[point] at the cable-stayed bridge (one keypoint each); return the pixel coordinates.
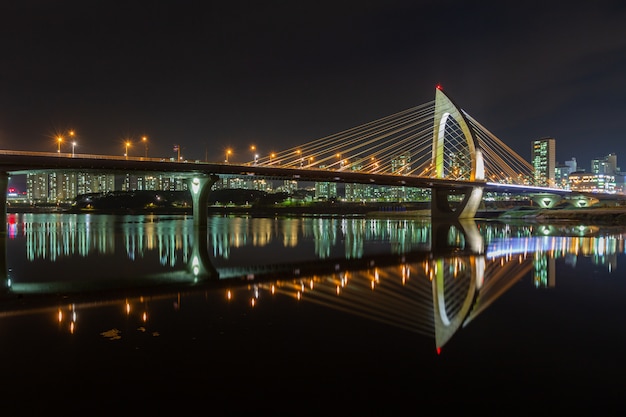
(436, 145)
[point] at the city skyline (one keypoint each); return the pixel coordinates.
(548, 172)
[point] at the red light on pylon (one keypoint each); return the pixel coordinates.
(438, 350)
(439, 87)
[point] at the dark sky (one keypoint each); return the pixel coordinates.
(211, 75)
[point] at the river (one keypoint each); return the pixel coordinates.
(310, 315)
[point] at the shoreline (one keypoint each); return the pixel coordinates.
(603, 215)
(599, 215)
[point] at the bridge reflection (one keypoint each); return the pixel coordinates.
(433, 279)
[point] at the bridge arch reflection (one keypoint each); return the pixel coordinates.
(432, 278)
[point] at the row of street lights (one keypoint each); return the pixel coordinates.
(72, 135)
(255, 155)
(128, 144)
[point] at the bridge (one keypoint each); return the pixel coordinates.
(436, 146)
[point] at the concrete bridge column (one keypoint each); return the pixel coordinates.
(582, 201)
(4, 187)
(200, 189)
(442, 208)
(545, 200)
(4, 273)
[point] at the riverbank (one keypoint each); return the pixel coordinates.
(322, 208)
(598, 215)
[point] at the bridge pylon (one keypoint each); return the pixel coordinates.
(200, 189)
(460, 202)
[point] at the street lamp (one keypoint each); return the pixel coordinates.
(228, 152)
(72, 134)
(253, 148)
(59, 140)
(299, 152)
(145, 142)
(127, 144)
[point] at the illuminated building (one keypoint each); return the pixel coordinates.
(401, 163)
(606, 165)
(56, 186)
(544, 161)
(562, 171)
(325, 190)
(585, 181)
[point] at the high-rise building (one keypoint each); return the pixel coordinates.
(401, 163)
(606, 165)
(325, 190)
(544, 161)
(562, 172)
(58, 186)
(572, 165)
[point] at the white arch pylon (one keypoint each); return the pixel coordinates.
(440, 205)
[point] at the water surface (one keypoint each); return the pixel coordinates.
(310, 315)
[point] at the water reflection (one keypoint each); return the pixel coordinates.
(432, 279)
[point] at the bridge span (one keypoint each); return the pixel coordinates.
(440, 148)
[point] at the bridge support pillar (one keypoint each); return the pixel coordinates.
(545, 200)
(5, 283)
(200, 188)
(582, 201)
(4, 186)
(441, 208)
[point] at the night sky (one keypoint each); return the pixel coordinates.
(231, 74)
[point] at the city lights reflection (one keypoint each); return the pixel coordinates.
(429, 279)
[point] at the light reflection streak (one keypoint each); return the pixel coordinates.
(50, 239)
(510, 253)
(391, 298)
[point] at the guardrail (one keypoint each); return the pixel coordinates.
(95, 156)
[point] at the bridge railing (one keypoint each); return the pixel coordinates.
(93, 156)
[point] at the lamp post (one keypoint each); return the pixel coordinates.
(72, 135)
(299, 152)
(127, 144)
(59, 140)
(253, 149)
(144, 139)
(228, 152)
